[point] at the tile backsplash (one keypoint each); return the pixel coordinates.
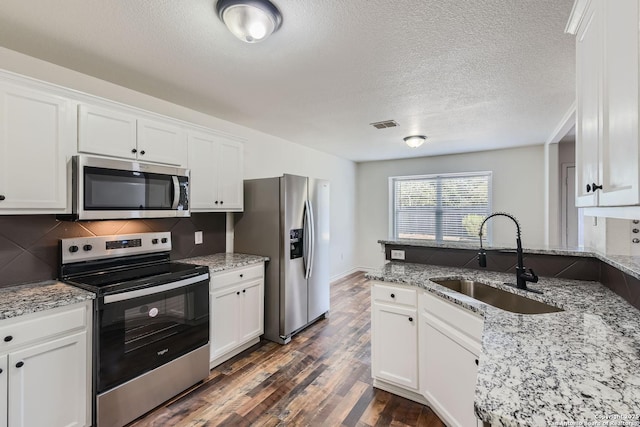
(29, 243)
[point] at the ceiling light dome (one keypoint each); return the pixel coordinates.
(415, 141)
(249, 20)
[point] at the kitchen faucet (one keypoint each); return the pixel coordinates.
(522, 276)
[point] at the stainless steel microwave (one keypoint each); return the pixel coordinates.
(115, 189)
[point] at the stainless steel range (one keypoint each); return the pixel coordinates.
(151, 321)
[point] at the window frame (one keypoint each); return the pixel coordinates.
(487, 236)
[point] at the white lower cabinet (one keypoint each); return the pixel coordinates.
(450, 344)
(45, 368)
(36, 375)
(450, 377)
(237, 311)
(426, 349)
(394, 339)
(4, 391)
(395, 345)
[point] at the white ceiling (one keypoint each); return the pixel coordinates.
(471, 75)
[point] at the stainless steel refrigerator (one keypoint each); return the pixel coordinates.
(287, 219)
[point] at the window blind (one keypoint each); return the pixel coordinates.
(447, 207)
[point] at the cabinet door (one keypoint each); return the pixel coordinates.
(394, 345)
(161, 143)
(589, 49)
(230, 190)
(620, 145)
(4, 384)
(449, 376)
(225, 306)
(48, 384)
(36, 135)
(252, 311)
(203, 162)
(106, 132)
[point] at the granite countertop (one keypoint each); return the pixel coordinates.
(33, 297)
(225, 261)
(580, 365)
(626, 263)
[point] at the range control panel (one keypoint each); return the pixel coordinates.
(98, 247)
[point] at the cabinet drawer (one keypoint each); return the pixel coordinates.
(237, 275)
(455, 316)
(37, 326)
(394, 294)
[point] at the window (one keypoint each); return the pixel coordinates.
(448, 207)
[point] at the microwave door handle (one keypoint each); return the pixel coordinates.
(176, 192)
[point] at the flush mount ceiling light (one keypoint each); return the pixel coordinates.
(249, 20)
(415, 141)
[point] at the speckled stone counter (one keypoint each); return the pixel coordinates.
(580, 365)
(30, 298)
(625, 263)
(225, 261)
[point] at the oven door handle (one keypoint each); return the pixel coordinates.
(124, 296)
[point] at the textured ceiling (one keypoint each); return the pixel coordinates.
(471, 75)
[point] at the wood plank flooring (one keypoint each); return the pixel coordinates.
(321, 378)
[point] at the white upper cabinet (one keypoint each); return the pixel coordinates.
(106, 132)
(161, 143)
(42, 126)
(109, 132)
(216, 165)
(37, 137)
(607, 146)
(589, 110)
(230, 186)
(620, 144)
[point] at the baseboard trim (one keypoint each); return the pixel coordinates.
(393, 389)
(344, 274)
(224, 357)
(351, 271)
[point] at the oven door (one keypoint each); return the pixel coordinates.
(146, 328)
(109, 189)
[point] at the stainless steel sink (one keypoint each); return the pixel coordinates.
(497, 297)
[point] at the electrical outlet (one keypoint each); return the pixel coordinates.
(396, 254)
(198, 237)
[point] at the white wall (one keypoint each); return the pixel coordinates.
(552, 230)
(518, 188)
(265, 155)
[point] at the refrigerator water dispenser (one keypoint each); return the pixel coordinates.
(295, 239)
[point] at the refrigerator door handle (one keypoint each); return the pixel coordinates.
(312, 233)
(308, 239)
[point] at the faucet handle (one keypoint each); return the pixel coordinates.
(482, 258)
(534, 276)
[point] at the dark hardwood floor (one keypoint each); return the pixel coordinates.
(321, 378)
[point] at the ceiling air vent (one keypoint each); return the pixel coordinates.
(385, 124)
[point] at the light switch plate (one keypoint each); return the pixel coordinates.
(198, 237)
(396, 254)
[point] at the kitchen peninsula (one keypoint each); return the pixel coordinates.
(539, 369)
